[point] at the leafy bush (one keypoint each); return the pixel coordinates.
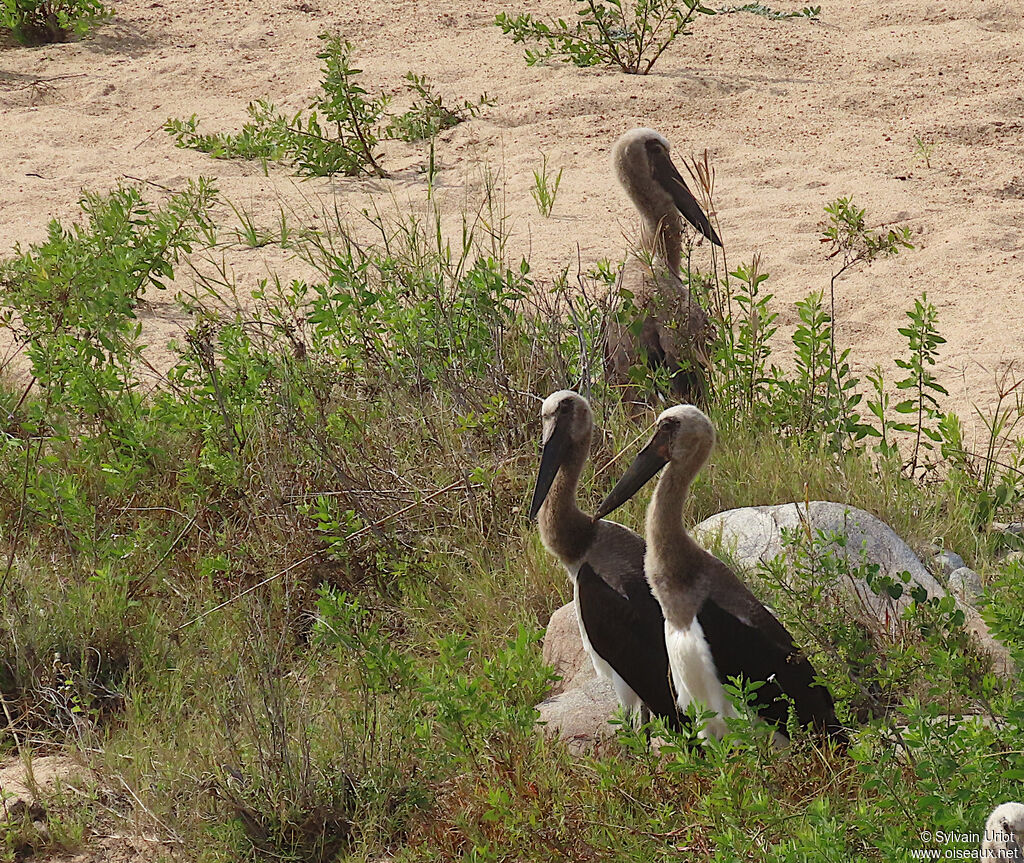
(341, 131)
(38, 22)
(628, 34)
(71, 300)
(339, 135)
(428, 115)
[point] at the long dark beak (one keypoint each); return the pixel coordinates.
(648, 462)
(551, 458)
(669, 178)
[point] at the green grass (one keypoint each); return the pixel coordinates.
(289, 605)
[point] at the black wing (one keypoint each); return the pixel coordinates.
(747, 640)
(629, 634)
(666, 175)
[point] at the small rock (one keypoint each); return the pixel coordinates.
(948, 561)
(965, 584)
(579, 716)
(563, 650)
(1013, 557)
(581, 702)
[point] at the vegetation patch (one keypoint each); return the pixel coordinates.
(342, 129)
(39, 22)
(626, 35)
(288, 604)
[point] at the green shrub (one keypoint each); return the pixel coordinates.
(628, 34)
(340, 132)
(38, 22)
(428, 115)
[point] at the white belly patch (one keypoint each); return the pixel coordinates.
(694, 675)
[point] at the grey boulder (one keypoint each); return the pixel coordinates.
(753, 537)
(965, 584)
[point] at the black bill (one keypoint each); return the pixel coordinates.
(648, 462)
(551, 458)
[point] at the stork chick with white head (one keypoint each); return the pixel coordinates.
(620, 621)
(715, 628)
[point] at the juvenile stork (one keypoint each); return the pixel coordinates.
(674, 330)
(715, 628)
(1004, 833)
(620, 622)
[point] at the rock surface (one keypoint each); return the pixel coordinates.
(582, 702)
(965, 584)
(948, 561)
(563, 650)
(753, 536)
(580, 715)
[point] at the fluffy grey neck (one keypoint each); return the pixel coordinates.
(673, 559)
(565, 529)
(661, 236)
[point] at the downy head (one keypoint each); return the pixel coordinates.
(566, 425)
(683, 435)
(644, 167)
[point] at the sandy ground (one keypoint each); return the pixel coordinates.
(794, 114)
(31, 783)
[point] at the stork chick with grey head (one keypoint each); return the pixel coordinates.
(715, 628)
(675, 332)
(620, 622)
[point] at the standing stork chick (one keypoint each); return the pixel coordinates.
(735, 634)
(675, 331)
(620, 621)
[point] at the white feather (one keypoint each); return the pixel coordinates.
(695, 677)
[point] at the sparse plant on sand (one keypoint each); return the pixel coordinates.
(811, 13)
(923, 149)
(852, 243)
(545, 187)
(923, 339)
(338, 135)
(38, 22)
(628, 34)
(429, 115)
(250, 234)
(341, 131)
